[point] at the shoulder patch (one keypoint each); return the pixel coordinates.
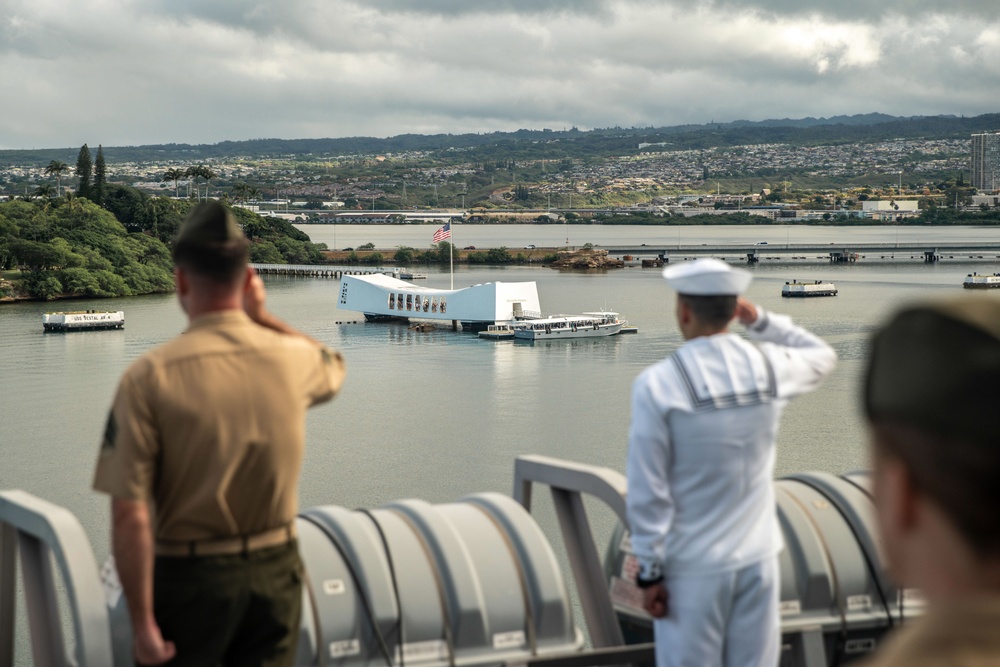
(110, 432)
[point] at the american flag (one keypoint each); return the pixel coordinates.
(443, 233)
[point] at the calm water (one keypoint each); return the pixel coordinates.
(518, 236)
(437, 415)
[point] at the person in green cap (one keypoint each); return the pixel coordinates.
(931, 393)
(201, 457)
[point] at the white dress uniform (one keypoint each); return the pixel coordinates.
(700, 463)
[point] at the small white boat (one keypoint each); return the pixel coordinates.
(565, 327)
(815, 288)
(976, 281)
(83, 320)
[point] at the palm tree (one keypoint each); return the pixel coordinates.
(200, 171)
(192, 173)
(42, 191)
(208, 175)
(174, 175)
(72, 201)
(57, 167)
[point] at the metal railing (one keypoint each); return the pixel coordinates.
(569, 482)
(42, 533)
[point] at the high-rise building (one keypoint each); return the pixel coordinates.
(986, 161)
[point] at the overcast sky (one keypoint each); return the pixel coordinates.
(120, 72)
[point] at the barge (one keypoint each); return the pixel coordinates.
(976, 281)
(815, 288)
(83, 320)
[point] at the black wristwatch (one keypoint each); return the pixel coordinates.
(646, 583)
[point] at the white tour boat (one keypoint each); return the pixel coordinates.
(83, 320)
(815, 288)
(383, 298)
(565, 327)
(976, 281)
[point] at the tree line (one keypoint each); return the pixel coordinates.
(70, 246)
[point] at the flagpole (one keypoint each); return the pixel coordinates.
(451, 257)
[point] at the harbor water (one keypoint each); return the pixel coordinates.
(438, 414)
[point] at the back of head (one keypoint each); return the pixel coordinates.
(709, 287)
(211, 244)
(932, 384)
(714, 311)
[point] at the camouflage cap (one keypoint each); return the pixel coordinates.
(936, 366)
(208, 224)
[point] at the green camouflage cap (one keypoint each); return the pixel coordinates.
(209, 224)
(936, 366)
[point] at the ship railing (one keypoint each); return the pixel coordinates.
(43, 535)
(568, 482)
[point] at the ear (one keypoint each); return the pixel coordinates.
(683, 312)
(897, 503)
(247, 280)
(181, 281)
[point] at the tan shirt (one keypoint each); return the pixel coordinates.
(957, 634)
(211, 427)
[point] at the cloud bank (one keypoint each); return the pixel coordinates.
(123, 72)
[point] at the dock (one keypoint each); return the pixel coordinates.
(325, 270)
(497, 332)
(836, 253)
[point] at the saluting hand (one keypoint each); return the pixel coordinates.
(746, 312)
(254, 296)
(656, 600)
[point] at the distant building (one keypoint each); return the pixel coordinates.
(890, 209)
(986, 161)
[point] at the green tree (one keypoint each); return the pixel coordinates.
(79, 282)
(43, 285)
(265, 252)
(84, 171)
(174, 175)
(200, 171)
(403, 255)
(43, 190)
(498, 256)
(36, 256)
(100, 177)
(129, 205)
(57, 168)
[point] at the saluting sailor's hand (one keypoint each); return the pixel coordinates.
(746, 312)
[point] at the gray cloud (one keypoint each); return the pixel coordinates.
(185, 71)
(861, 9)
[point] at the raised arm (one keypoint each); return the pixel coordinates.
(254, 298)
(800, 358)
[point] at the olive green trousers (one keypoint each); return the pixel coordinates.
(242, 609)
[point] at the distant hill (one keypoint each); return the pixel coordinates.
(552, 144)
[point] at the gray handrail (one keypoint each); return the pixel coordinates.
(44, 531)
(568, 482)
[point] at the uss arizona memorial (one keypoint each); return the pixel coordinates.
(382, 297)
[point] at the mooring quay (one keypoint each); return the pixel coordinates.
(835, 252)
(323, 270)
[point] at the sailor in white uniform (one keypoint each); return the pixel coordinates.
(701, 453)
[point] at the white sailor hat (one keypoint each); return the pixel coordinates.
(707, 277)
